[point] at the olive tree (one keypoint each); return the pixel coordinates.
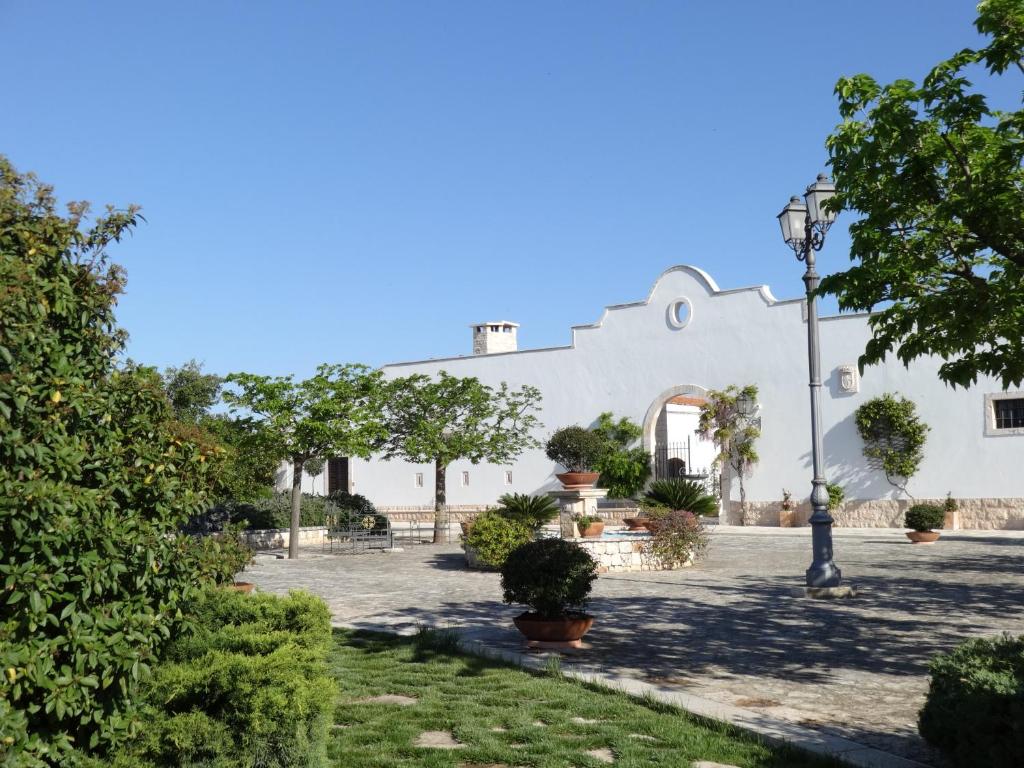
(449, 418)
(935, 174)
(336, 412)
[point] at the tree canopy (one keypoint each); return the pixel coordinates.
(936, 175)
(443, 419)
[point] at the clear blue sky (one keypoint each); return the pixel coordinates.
(360, 181)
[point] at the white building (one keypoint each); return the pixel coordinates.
(653, 360)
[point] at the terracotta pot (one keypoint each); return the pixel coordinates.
(592, 531)
(636, 523)
(570, 480)
(923, 537)
(243, 586)
(567, 629)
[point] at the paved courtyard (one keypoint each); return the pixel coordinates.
(734, 628)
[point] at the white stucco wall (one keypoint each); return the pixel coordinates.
(635, 357)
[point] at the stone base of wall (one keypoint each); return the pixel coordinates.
(278, 538)
(464, 514)
(972, 514)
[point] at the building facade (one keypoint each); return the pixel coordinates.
(654, 360)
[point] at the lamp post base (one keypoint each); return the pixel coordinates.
(824, 574)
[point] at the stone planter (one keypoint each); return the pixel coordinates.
(592, 530)
(571, 480)
(564, 632)
(923, 537)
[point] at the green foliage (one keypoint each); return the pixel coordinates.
(575, 448)
(192, 393)
(893, 437)
(531, 511)
(585, 520)
(924, 517)
(677, 536)
(551, 576)
(95, 478)
(678, 494)
(950, 505)
(935, 175)
(220, 556)
(974, 710)
(449, 418)
(247, 471)
(624, 466)
(836, 496)
(248, 687)
(494, 536)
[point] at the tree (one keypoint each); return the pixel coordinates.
(95, 480)
(449, 418)
(192, 393)
(936, 175)
(732, 433)
(624, 466)
(337, 412)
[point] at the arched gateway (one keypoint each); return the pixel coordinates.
(670, 433)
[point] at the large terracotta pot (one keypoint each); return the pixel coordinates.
(636, 523)
(592, 530)
(570, 480)
(923, 537)
(567, 629)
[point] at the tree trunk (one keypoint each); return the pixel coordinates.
(440, 499)
(293, 529)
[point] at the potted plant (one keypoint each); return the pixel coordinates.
(553, 577)
(590, 527)
(578, 450)
(922, 518)
(679, 494)
(638, 523)
(787, 515)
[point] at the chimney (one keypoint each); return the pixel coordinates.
(494, 336)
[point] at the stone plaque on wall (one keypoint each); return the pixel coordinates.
(849, 379)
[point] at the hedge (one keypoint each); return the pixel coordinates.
(248, 686)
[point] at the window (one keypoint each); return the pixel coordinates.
(508, 477)
(465, 479)
(1004, 414)
(494, 328)
(418, 480)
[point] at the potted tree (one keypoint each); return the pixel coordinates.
(578, 450)
(922, 518)
(553, 577)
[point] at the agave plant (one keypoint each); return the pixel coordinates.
(532, 511)
(687, 495)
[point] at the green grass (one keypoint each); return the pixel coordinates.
(468, 697)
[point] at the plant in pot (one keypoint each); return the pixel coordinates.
(922, 518)
(553, 577)
(591, 527)
(787, 514)
(578, 450)
(532, 511)
(679, 494)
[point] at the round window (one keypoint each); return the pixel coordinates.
(679, 313)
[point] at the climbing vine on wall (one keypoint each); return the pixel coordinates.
(893, 436)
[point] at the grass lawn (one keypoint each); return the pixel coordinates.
(505, 716)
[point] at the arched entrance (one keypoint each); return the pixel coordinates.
(670, 434)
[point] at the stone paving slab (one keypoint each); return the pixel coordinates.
(734, 629)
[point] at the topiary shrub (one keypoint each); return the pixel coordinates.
(248, 686)
(893, 436)
(551, 576)
(924, 517)
(677, 538)
(493, 536)
(95, 480)
(677, 493)
(531, 511)
(974, 711)
(575, 448)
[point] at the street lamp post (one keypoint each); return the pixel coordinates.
(804, 225)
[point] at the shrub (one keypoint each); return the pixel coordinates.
(249, 686)
(836, 496)
(925, 517)
(494, 536)
(575, 448)
(974, 711)
(551, 576)
(677, 537)
(276, 511)
(531, 511)
(677, 493)
(219, 557)
(624, 466)
(893, 436)
(95, 479)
